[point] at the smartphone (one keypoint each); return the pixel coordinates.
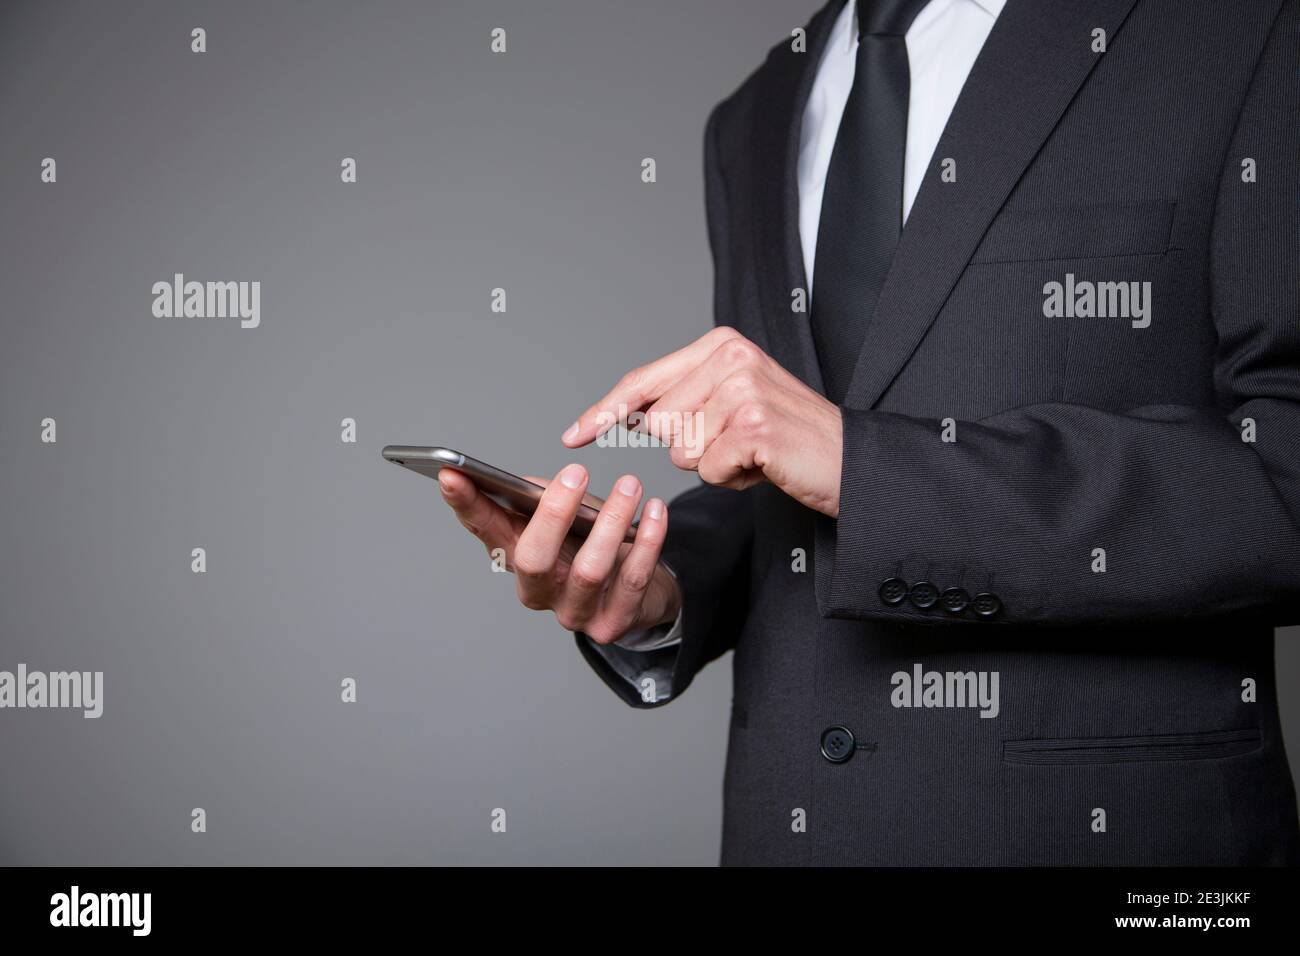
(509, 491)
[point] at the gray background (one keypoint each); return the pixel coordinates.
(476, 170)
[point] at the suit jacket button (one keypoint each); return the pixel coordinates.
(924, 595)
(838, 744)
(954, 600)
(893, 591)
(987, 604)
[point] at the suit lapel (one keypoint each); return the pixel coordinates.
(1035, 59)
(786, 84)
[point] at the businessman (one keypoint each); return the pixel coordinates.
(999, 440)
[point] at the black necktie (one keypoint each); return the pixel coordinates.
(862, 205)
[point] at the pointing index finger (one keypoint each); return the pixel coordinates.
(641, 387)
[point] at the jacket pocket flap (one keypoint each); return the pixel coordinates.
(1073, 750)
(1091, 231)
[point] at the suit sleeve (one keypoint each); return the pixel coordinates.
(710, 534)
(1064, 514)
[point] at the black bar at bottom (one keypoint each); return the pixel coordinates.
(336, 905)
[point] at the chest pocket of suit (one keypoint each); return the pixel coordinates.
(1095, 230)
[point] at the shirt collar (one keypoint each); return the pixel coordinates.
(991, 7)
(847, 25)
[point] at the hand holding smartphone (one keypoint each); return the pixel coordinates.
(594, 567)
(510, 491)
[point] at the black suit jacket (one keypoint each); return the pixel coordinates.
(1137, 719)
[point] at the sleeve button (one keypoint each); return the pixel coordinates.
(954, 600)
(893, 591)
(924, 595)
(987, 604)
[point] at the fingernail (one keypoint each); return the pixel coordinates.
(571, 434)
(655, 508)
(571, 476)
(628, 485)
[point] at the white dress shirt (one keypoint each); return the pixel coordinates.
(942, 44)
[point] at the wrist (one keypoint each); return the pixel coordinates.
(668, 604)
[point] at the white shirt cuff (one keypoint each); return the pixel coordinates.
(652, 638)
